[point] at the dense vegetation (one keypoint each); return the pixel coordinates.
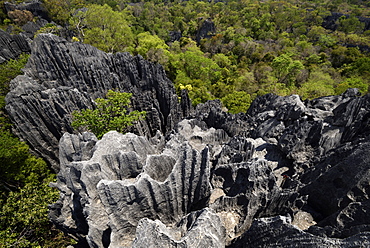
(254, 47)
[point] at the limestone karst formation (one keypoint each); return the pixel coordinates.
(288, 173)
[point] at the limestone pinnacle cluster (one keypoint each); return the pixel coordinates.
(288, 173)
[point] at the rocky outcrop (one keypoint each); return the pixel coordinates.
(35, 7)
(279, 232)
(61, 77)
(331, 21)
(287, 173)
(11, 46)
(38, 18)
(202, 228)
(130, 178)
(206, 29)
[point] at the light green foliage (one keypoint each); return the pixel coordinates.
(10, 70)
(192, 67)
(319, 84)
(48, 28)
(110, 114)
(286, 68)
(197, 66)
(60, 10)
(237, 102)
(259, 46)
(327, 40)
(354, 82)
(311, 90)
(200, 95)
(152, 48)
(104, 28)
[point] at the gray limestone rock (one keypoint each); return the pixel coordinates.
(120, 195)
(279, 232)
(206, 30)
(119, 182)
(61, 77)
(11, 46)
(198, 229)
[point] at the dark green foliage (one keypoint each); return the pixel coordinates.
(24, 200)
(350, 24)
(24, 190)
(10, 70)
(110, 114)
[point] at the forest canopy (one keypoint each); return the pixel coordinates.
(246, 48)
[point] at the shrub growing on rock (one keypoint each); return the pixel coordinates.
(110, 114)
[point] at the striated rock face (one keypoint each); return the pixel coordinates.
(202, 228)
(288, 173)
(11, 46)
(279, 232)
(61, 77)
(127, 178)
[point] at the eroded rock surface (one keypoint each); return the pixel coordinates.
(61, 77)
(279, 232)
(11, 46)
(125, 179)
(201, 228)
(288, 173)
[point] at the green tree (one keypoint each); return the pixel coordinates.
(327, 40)
(353, 82)
(286, 68)
(319, 84)
(110, 114)
(152, 47)
(60, 10)
(24, 213)
(350, 24)
(360, 67)
(104, 28)
(199, 94)
(24, 179)
(237, 102)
